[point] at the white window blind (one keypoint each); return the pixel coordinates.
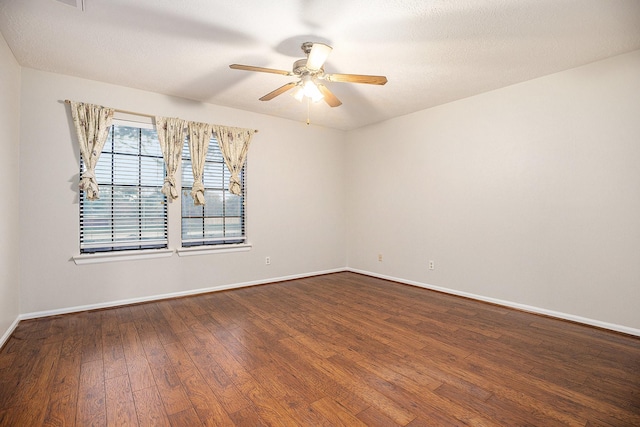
(131, 212)
(222, 219)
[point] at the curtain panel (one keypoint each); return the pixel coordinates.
(92, 123)
(171, 137)
(234, 145)
(199, 137)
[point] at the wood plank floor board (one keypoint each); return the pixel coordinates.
(314, 377)
(204, 400)
(91, 408)
(372, 417)
(418, 400)
(115, 364)
(65, 386)
(188, 417)
(506, 412)
(338, 349)
(286, 389)
(550, 412)
(319, 338)
(170, 387)
(6, 360)
(335, 414)
(547, 397)
(119, 405)
(331, 325)
(247, 417)
(349, 380)
(149, 409)
(160, 324)
(172, 318)
(61, 411)
(125, 313)
(34, 396)
(234, 369)
(413, 376)
(268, 408)
(137, 363)
(376, 331)
(92, 337)
(610, 391)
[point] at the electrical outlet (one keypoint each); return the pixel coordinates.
(432, 265)
(267, 260)
(380, 257)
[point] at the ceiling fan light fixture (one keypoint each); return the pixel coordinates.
(310, 90)
(298, 93)
(318, 54)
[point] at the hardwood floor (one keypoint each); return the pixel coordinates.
(340, 349)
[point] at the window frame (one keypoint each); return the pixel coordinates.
(173, 218)
(211, 243)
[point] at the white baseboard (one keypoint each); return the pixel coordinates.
(8, 332)
(118, 303)
(523, 307)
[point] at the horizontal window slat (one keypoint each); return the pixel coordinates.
(106, 212)
(215, 239)
(124, 224)
(140, 244)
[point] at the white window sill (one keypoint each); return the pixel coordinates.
(219, 249)
(101, 257)
(98, 257)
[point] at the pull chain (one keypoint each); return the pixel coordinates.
(308, 110)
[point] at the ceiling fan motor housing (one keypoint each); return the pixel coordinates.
(300, 68)
(306, 47)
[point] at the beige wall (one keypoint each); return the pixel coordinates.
(9, 220)
(295, 211)
(528, 195)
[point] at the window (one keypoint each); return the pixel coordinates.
(131, 213)
(222, 219)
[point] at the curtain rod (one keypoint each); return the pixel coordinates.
(66, 101)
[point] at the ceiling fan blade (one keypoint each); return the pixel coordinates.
(318, 54)
(260, 69)
(356, 78)
(329, 97)
(279, 91)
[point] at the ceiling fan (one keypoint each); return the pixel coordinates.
(310, 71)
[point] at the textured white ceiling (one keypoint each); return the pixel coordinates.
(432, 51)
